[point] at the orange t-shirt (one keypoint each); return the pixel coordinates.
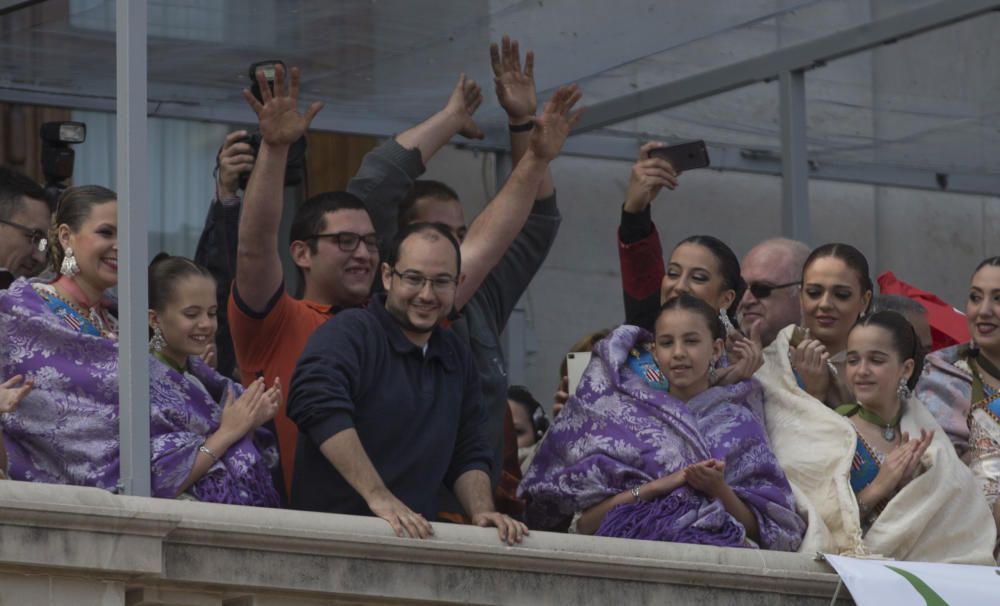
(269, 344)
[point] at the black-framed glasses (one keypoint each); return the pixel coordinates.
(348, 241)
(761, 290)
(39, 239)
(415, 281)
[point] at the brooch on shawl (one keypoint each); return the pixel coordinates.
(963, 365)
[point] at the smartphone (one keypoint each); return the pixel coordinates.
(576, 363)
(268, 67)
(799, 334)
(684, 156)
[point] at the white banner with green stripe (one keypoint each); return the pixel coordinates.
(884, 582)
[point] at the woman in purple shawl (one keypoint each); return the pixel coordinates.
(689, 465)
(63, 338)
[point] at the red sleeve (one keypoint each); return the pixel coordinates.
(642, 266)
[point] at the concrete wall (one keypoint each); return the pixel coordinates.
(65, 546)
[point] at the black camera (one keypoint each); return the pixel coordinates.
(57, 155)
(296, 165)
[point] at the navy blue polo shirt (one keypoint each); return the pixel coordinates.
(419, 415)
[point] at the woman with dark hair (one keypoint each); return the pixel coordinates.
(687, 464)
(904, 473)
(803, 379)
(61, 336)
(700, 265)
(207, 439)
(961, 384)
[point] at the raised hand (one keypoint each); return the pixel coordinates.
(509, 530)
(404, 521)
(555, 123)
(281, 124)
(235, 157)
(515, 87)
(12, 391)
(707, 476)
(465, 99)
(648, 177)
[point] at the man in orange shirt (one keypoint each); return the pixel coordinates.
(333, 241)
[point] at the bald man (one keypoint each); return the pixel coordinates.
(773, 272)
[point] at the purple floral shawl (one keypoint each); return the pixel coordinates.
(617, 432)
(66, 430)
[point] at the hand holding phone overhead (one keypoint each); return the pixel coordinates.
(683, 156)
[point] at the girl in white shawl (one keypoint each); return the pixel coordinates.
(804, 379)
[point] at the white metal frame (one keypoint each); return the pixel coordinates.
(133, 213)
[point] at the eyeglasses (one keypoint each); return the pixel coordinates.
(763, 291)
(348, 241)
(38, 238)
(415, 281)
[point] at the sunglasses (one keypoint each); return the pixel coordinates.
(763, 291)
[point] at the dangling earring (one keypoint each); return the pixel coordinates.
(726, 324)
(903, 391)
(713, 376)
(69, 267)
(157, 343)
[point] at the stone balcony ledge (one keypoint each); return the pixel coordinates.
(87, 546)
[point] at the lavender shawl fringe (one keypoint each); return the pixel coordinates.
(66, 430)
(617, 432)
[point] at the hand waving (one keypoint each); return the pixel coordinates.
(281, 124)
(515, 87)
(12, 391)
(555, 123)
(465, 99)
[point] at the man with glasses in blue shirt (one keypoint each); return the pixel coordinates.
(773, 272)
(24, 224)
(389, 404)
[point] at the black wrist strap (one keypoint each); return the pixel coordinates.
(521, 128)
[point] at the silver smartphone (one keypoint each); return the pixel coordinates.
(576, 363)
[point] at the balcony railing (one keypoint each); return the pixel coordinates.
(83, 546)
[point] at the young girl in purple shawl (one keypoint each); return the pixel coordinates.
(690, 464)
(213, 449)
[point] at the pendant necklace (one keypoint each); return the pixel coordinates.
(987, 366)
(888, 428)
